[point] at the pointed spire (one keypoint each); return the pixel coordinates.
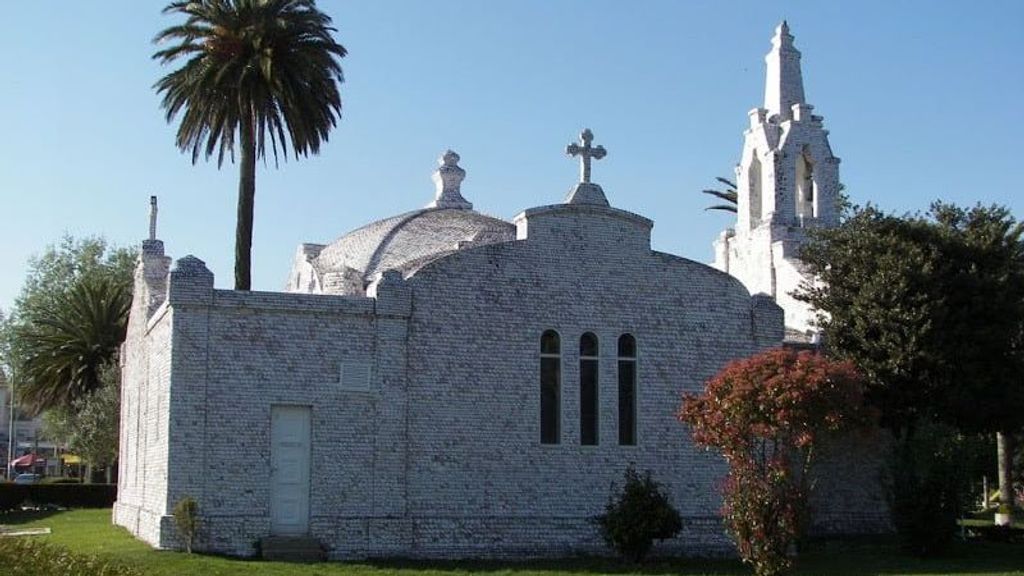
(784, 84)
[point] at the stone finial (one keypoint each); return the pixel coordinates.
(586, 152)
(151, 246)
(448, 181)
(152, 217)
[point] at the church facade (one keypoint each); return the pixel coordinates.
(439, 384)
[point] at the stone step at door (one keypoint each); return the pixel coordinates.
(292, 549)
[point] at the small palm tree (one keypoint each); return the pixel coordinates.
(253, 68)
(72, 341)
(729, 195)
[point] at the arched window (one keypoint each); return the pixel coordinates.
(805, 184)
(550, 387)
(754, 190)
(627, 390)
(588, 389)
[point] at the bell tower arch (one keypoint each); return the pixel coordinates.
(787, 183)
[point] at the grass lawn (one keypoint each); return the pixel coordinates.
(90, 531)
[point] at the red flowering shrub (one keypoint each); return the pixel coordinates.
(766, 414)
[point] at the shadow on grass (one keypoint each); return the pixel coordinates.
(581, 565)
(885, 558)
(834, 558)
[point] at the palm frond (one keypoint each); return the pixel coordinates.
(730, 195)
(727, 195)
(727, 182)
(276, 58)
(72, 341)
(722, 207)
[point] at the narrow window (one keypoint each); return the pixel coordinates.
(805, 184)
(588, 389)
(754, 200)
(550, 387)
(627, 390)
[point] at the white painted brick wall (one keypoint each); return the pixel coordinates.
(441, 457)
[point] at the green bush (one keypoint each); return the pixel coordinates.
(60, 480)
(637, 515)
(26, 556)
(12, 495)
(63, 495)
(928, 485)
(186, 519)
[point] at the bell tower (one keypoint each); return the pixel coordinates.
(787, 181)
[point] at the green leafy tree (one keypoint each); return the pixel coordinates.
(876, 300)
(68, 321)
(986, 299)
(767, 414)
(928, 484)
(90, 426)
(253, 69)
(931, 309)
(67, 346)
(983, 318)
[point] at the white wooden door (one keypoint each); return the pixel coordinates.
(289, 470)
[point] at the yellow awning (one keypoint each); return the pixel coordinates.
(71, 459)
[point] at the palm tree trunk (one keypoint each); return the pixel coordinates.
(246, 197)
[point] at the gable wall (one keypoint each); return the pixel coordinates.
(479, 479)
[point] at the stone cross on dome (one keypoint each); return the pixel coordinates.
(586, 152)
(586, 192)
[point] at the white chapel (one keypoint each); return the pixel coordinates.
(445, 384)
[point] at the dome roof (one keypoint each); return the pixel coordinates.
(402, 242)
(393, 242)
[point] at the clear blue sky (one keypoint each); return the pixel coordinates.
(923, 99)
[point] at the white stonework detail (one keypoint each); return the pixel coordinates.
(348, 265)
(586, 192)
(152, 217)
(787, 182)
(448, 180)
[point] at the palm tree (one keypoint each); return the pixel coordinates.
(729, 195)
(255, 68)
(70, 342)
